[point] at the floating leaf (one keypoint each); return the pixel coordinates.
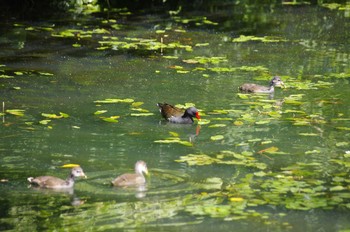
(203, 122)
(44, 122)
(100, 112)
(312, 152)
(16, 112)
(261, 173)
(308, 134)
(6, 76)
(217, 125)
(45, 74)
(114, 100)
(136, 104)
(217, 137)
(70, 165)
(238, 123)
(174, 134)
(197, 159)
(243, 95)
(112, 119)
(343, 128)
(174, 140)
(268, 150)
(336, 188)
(262, 122)
(55, 116)
(141, 114)
(342, 144)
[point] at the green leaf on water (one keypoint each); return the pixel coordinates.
(16, 112)
(217, 137)
(44, 122)
(262, 122)
(312, 152)
(45, 73)
(141, 114)
(203, 122)
(238, 123)
(6, 76)
(343, 128)
(114, 100)
(55, 116)
(269, 150)
(201, 44)
(174, 140)
(174, 134)
(243, 95)
(112, 119)
(342, 144)
(217, 125)
(100, 112)
(308, 134)
(260, 174)
(336, 188)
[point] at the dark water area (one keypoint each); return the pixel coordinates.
(263, 162)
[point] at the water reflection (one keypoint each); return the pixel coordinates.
(139, 190)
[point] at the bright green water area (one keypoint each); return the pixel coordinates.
(85, 92)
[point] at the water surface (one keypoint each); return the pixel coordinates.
(229, 183)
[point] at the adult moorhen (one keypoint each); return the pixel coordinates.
(254, 88)
(176, 115)
(52, 182)
(130, 179)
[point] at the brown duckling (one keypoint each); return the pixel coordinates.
(130, 179)
(52, 182)
(177, 115)
(254, 88)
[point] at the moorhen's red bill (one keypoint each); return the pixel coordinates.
(254, 88)
(177, 115)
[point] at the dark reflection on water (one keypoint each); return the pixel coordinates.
(177, 195)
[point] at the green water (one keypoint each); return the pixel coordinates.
(302, 186)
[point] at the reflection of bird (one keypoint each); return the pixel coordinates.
(136, 178)
(176, 115)
(57, 183)
(254, 88)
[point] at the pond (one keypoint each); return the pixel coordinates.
(85, 91)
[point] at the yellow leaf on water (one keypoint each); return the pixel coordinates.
(236, 199)
(70, 165)
(268, 150)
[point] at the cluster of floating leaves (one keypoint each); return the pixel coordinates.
(134, 107)
(175, 138)
(265, 39)
(224, 157)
